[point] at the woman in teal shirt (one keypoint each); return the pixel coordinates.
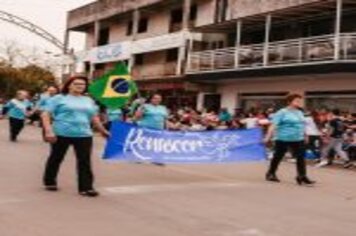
(152, 115)
(288, 128)
(18, 109)
(67, 120)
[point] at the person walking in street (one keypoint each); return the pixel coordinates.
(18, 109)
(313, 133)
(335, 133)
(67, 120)
(288, 130)
(41, 103)
(152, 115)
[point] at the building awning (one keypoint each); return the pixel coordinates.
(311, 69)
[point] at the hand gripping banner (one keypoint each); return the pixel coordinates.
(131, 143)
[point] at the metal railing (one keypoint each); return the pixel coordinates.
(288, 52)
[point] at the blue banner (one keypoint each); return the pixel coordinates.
(132, 143)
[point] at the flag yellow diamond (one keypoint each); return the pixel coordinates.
(110, 91)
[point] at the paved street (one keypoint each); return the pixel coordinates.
(178, 200)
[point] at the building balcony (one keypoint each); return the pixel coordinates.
(155, 71)
(295, 52)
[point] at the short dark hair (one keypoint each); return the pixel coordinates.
(149, 99)
(65, 88)
(292, 96)
(336, 112)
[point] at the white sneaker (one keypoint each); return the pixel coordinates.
(322, 164)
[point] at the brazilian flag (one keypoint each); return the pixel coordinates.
(115, 88)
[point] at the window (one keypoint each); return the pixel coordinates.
(143, 25)
(214, 45)
(104, 37)
(221, 10)
(139, 59)
(172, 55)
(100, 66)
(177, 16)
(129, 28)
(193, 13)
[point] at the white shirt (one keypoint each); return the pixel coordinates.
(310, 127)
(250, 122)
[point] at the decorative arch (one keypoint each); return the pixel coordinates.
(29, 26)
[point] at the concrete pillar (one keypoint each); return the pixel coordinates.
(338, 20)
(185, 32)
(238, 43)
(135, 24)
(267, 38)
(229, 99)
(66, 41)
(200, 101)
(96, 33)
(65, 52)
(186, 14)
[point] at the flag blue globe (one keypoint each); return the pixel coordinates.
(120, 85)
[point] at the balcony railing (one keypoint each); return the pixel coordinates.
(289, 52)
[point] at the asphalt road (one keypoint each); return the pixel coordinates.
(177, 200)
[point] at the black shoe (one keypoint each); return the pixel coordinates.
(13, 139)
(51, 188)
(304, 181)
(158, 164)
(272, 178)
(89, 193)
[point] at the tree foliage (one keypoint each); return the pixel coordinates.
(31, 78)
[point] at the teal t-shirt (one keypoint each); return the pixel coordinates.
(114, 114)
(225, 116)
(41, 104)
(72, 115)
(154, 117)
(17, 109)
(290, 125)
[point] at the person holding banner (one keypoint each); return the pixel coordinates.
(152, 115)
(18, 109)
(72, 114)
(113, 115)
(288, 127)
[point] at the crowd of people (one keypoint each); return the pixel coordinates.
(69, 117)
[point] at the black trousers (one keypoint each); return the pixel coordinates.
(16, 126)
(298, 151)
(82, 149)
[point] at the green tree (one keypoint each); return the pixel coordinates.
(31, 78)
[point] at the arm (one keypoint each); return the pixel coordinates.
(99, 126)
(6, 109)
(270, 133)
(139, 113)
(49, 135)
